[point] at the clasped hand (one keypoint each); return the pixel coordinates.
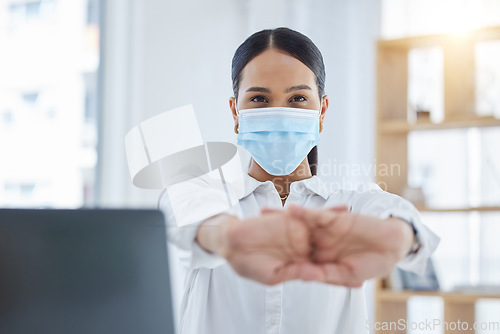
(330, 245)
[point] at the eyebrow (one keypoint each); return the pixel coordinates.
(295, 88)
(258, 89)
(288, 90)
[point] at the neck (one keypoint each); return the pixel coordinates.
(281, 182)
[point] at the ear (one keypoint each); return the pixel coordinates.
(232, 106)
(324, 107)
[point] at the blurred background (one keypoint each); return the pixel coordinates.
(77, 75)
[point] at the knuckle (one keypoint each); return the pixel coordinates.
(299, 236)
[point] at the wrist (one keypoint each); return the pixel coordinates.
(408, 237)
(213, 233)
(416, 240)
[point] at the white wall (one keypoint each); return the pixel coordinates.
(158, 55)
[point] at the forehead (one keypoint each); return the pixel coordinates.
(274, 68)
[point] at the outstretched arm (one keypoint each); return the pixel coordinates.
(270, 249)
(353, 248)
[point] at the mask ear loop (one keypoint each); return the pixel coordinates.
(320, 109)
(238, 115)
(321, 102)
(236, 107)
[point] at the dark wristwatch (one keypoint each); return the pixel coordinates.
(417, 244)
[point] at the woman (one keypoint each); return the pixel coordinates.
(291, 257)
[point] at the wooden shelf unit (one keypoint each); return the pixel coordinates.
(403, 296)
(392, 133)
(471, 209)
(391, 306)
(398, 127)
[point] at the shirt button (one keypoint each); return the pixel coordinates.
(273, 321)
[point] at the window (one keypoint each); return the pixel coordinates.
(422, 17)
(8, 117)
(30, 98)
(48, 103)
(487, 54)
(92, 12)
(22, 13)
(425, 86)
(32, 9)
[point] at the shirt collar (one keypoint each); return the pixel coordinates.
(313, 184)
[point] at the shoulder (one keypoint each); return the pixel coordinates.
(196, 198)
(362, 196)
(350, 190)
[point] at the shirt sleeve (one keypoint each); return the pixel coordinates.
(186, 205)
(382, 204)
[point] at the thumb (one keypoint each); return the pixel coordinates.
(297, 210)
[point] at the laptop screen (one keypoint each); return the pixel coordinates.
(84, 271)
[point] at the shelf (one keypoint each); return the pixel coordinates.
(394, 132)
(479, 208)
(394, 127)
(402, 296)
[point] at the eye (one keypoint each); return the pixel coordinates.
(298, 98)
(259, 99)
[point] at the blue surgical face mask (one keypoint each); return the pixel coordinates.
(278, 138)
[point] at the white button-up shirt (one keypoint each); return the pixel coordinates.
(216, 300)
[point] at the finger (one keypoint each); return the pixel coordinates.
(324, 255)
(265, 269)
(297, 210)
(298, 236)
(304, 270)
(314, 217)
(338, 233)
(341, 274)
(311, 272)
(282, 273)
(332, 253)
